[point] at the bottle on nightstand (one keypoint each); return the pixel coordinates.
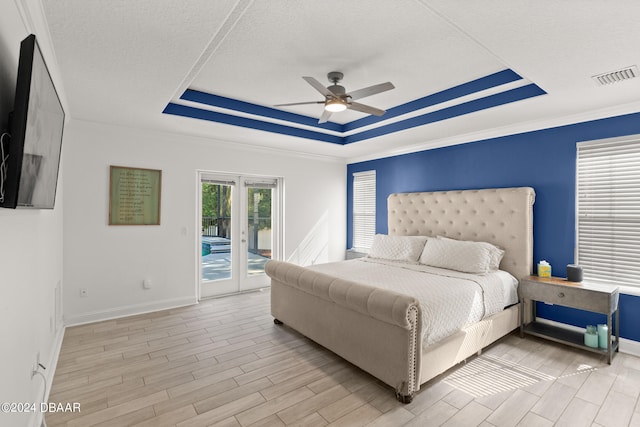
(603, 336)
(591, 337)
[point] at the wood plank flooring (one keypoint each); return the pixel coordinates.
(224, 363)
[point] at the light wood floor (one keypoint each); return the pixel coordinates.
(224, 363)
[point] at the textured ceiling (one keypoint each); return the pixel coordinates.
(125, 62)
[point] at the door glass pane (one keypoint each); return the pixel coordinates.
(216, 231)
(259, 230)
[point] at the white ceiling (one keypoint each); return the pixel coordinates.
(124, 61)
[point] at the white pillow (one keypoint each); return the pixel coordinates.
(496, 258)
(397, 248)
(461, 255)
(496, 253)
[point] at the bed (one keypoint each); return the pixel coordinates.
(360, 309)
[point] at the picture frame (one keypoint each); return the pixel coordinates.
(134, 196)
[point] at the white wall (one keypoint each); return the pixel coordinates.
(112, 261)
(30, 263)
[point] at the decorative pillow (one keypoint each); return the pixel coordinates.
(397, 248)
(461, 255)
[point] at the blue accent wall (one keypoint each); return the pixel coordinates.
(544, 159)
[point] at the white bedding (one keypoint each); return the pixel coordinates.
(449, 299)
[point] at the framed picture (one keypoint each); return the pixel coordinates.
(134, 196)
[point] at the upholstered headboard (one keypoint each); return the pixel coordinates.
(501, 216)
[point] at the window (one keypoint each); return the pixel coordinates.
(364, 209)
(608, 210)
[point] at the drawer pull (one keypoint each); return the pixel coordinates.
(561, 295)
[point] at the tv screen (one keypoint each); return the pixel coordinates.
(35, 130)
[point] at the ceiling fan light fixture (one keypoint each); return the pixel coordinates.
(335, 106)
(337, 99)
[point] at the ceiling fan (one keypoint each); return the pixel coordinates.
(338, 99)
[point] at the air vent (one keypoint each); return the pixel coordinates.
(616, 76)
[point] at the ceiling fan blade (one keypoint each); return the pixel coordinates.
(319, 87)
(365, 109)
(325, 116)
(371, 90)
(299, 103)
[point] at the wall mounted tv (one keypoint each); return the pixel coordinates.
(31, 158)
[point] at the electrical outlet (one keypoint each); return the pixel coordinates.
(146, 284)
(84, 292)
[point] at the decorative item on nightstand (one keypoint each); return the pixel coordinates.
(603, 336)
(591, 337)
(574, 273)
(544, 269)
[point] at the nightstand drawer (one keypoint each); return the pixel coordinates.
(575, 296)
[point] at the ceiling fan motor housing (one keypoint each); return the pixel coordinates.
(335, 76)
(338, 90)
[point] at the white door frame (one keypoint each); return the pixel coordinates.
(239, 281)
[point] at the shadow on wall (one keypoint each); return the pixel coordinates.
(314, 247)
(7, 83)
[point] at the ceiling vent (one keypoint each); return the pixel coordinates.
(616, 76)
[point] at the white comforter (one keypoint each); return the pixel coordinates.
(449, 299)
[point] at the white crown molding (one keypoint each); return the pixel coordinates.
(530, 126)
(212, 142)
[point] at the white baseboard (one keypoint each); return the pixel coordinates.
(626, 345)
(49, 373)
(630, 347)
(130, 310)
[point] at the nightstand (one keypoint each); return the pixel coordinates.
(590, 297)
(353, 254)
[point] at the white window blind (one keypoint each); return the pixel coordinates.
(364, 209)
(608, 207)
(264, 183)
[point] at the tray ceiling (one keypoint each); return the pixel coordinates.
(462, 70)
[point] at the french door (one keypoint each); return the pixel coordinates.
(239, 231)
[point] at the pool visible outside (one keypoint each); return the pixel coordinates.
(216, 264)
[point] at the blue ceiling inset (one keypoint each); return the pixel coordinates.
(258, 110)
(487, 82)
(212, 116)
(483, 83)
(490, 101)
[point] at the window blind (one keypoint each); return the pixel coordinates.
(272, 183)
(608, 210)
(364, 209)
(218, 181)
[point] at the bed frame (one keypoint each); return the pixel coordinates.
(379, 330)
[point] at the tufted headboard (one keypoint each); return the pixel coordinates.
(501, 216)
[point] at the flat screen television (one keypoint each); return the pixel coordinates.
(32, 158)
